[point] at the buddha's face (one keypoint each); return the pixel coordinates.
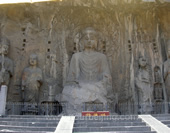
(33, 60)
(90, 40)
(142, 62)
(4, 49)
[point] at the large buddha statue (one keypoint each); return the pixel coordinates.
(89, 79)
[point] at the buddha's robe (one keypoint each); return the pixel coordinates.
(89, 80)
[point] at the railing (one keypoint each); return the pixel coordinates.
(18, 108)
(143, 108)
(52, 108)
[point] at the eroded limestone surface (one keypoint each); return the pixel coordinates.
(52, 30)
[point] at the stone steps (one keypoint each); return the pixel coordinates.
(28, 124)
(164, 118)
(11, 131)
(110, 124)
(92, 124)
(96, 124)
(109, 129)
(111, 121)
(29, 120)
(25, 128)
(40, 124)
(33, 116)
(166, 122)
(120, 132)
(160, 115)
(110, 117)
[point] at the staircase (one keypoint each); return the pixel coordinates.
(164, 118)
(28, 124)
(110, 124)
(82, 124)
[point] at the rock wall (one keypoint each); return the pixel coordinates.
(127, 29)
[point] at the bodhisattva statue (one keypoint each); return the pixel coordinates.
(31, 81)
(6, 72)
(144, 91)
(167, 73)
(6, 64)
(158, 90)
(89, 79)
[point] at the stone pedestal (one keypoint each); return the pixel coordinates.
(3, 95)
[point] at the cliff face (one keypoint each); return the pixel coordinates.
(126, 30)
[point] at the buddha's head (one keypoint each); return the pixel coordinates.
(4, 46)
(33, 59)
(142, 62)
(89, 38)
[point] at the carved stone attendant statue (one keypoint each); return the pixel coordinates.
(89, 79)
(158, 90)
(6, 64)
(31, 81)
(167, 73)
(6, 72)
(143, 87)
